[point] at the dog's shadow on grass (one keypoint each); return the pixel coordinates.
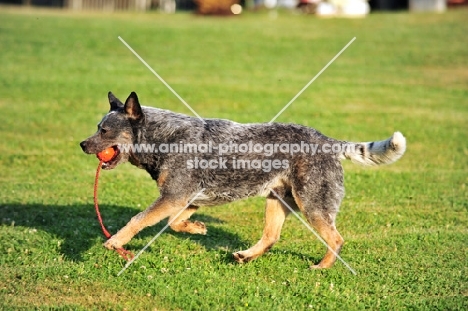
(78, 228)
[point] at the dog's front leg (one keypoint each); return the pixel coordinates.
(163, 207)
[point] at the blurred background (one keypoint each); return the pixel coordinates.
(225, 6)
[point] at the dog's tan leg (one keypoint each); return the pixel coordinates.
(325, 226)
(331, 236)
(182, 224)
(327, 230)
(159, 210)
(275, 214)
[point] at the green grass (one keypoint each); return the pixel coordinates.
(405, 225)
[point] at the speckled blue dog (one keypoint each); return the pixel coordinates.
(309, 179)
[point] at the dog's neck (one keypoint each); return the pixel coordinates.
(161, 127)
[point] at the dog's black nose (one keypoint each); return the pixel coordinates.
(83, 145)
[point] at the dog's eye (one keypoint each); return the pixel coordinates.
(103, 131)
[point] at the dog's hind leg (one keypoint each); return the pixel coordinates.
(275, 214)
(331, 236)
(318, 189)
(182, 224)
(320, 209)
(325, 226)
(162, 208)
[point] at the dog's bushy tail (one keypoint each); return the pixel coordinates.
(376, 152)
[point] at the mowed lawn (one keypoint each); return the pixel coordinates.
(405, 225)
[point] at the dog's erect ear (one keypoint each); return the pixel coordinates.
(114, 102)
(132, 107)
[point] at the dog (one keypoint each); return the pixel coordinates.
(292, 166)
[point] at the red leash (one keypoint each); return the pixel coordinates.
(127, 255)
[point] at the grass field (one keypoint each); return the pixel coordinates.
(405, 225)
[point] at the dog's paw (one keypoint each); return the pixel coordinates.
(112, 244)
(317, 266)
(196, 227)
(199, 228)
(241, 257)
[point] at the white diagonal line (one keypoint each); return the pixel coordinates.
(161, 79)
(313, 79)
(159, 233)
(315, 233)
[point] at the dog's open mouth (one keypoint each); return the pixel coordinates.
(110, 164)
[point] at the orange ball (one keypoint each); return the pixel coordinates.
(106, 155)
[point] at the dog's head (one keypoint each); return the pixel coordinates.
(118, 127)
